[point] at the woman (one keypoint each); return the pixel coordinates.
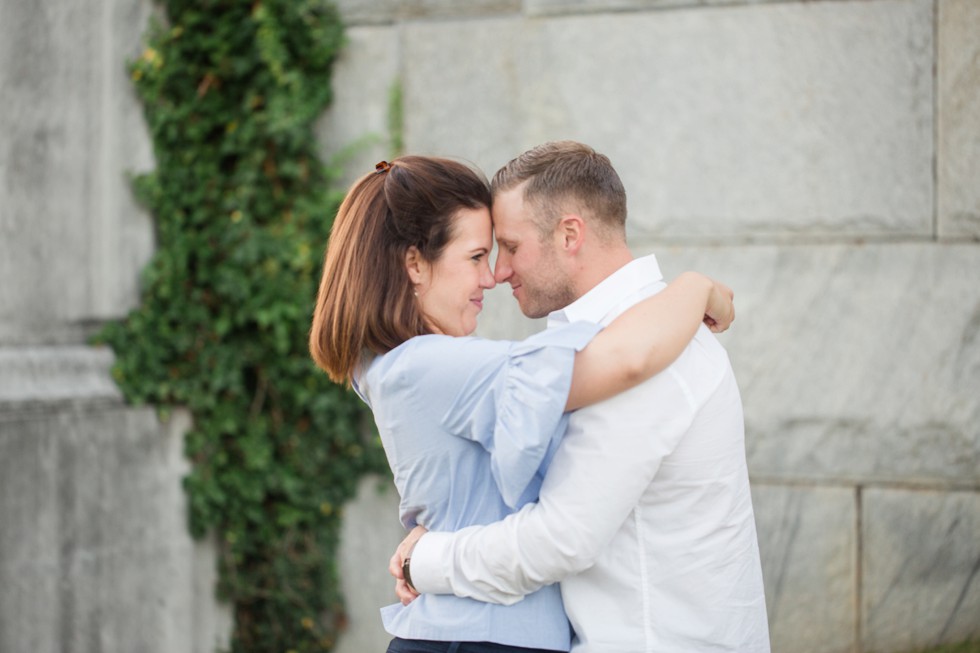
(468, 424)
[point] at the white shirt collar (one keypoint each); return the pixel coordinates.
(610, 293)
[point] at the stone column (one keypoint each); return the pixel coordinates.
(94, 548)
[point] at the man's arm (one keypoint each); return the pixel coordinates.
(599, 473)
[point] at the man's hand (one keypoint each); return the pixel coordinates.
(405, 593)
(721, 310)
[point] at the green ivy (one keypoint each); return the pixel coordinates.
(242, 208)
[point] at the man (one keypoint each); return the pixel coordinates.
(645, 514)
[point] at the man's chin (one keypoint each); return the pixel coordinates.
(532, 312)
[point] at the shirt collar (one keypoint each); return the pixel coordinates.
(609, 293)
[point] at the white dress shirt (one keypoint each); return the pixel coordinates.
(644, 516)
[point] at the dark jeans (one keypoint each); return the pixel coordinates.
(399, 645)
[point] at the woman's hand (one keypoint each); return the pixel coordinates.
(720, 313)
(406, 594)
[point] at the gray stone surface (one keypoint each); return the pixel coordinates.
(370, 533)
(353, 133)
(959, 118)
(920, 564)
(797, 120)
(465, 91)
(72, 241)
(808, 542)
(94, 552)
(855, 362)
(502, 318)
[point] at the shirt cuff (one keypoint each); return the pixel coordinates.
(428, 556)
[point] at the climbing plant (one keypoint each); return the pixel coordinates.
(242, 207)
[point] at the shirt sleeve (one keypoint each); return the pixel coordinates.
(514, 406)
(596, 478)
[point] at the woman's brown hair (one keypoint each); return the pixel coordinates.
(366, 300)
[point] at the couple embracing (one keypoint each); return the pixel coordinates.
(584, 489)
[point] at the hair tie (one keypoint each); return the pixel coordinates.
(382, 167)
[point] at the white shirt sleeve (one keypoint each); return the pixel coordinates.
(607, 459)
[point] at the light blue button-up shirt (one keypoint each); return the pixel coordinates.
(469, 427)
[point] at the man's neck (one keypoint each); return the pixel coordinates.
(594, 269)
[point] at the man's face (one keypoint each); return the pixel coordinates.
(530, 263)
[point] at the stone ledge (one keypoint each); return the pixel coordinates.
(380, 12)
(563, 7)
(880, 482)
(39, 376)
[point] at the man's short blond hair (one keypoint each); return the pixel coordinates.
(567, 177)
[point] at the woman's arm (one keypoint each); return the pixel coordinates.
(648, 337)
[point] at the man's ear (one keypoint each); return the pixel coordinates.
(416, 266)
(571, 232)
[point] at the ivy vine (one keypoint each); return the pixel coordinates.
(242, 209)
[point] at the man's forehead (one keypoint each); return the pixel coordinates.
(504, 229)
(500, 234)
(508, 211)
(511, 199)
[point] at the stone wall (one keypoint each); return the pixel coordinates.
(823, 157)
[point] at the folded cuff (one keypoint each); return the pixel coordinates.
(430, 554)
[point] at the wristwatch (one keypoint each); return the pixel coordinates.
(407, 572)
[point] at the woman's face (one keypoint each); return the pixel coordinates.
(450, 290)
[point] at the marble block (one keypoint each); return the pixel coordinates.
(855, 363)
(958, 122)
(919, 567)
(769, 121)
(808, 541)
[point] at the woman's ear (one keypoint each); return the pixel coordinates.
(416, 266)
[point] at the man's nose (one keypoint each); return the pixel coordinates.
(501, 269)
(487, 279)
